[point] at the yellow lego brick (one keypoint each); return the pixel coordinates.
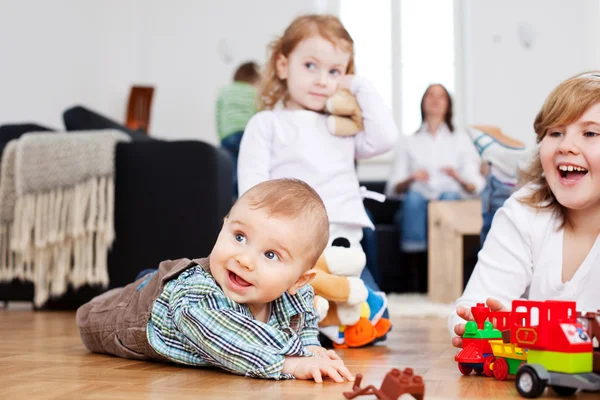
(507, 350)
(568, 363)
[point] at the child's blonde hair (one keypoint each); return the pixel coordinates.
(565, 104)
(328, 27)
(293, 198)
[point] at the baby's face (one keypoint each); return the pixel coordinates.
(257, 258)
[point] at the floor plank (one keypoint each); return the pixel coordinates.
(42, 357)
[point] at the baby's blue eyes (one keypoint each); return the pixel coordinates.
(335, 72)
(271, 255)
(310, 66)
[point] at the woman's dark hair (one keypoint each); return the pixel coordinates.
(248, 72)
(448, 116)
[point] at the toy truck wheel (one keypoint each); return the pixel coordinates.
(464, 369)
(501, 369)
(488, 365)
(563, 390)
(529, 384)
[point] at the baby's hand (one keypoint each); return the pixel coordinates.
(319, 351)
(316, 368)
(465, 313)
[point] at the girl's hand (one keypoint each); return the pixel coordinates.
(319, 351)
(465, 313)
(421, 175)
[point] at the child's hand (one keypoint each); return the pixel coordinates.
(319, 351)
(316, 368)
(465, 313)
(345, 82)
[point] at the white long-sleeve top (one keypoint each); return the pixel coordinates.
(522, 258)
(297, 144)
(432, 153)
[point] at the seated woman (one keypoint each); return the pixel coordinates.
(436, 163)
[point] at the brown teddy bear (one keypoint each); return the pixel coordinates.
(346, 116)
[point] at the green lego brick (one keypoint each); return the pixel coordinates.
(471, 330)
(513, 365)
(488, 331)
(567, 363)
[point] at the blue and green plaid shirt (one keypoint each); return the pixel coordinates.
(194, 323)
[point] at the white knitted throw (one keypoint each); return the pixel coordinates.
(56, 209)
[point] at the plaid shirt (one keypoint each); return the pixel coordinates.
(194, 323)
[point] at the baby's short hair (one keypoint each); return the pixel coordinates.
(293, 198)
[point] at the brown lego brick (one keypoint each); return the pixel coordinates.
(395, 383)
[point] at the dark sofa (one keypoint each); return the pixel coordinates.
(170, 201)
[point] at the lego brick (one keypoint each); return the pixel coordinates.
(395, 383)
(473, 351)
(568, 363)
(508, 350)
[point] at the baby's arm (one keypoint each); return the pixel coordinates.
(309, 332)
(380, 131)
(254, 162)
(212, 327)
(504, 269)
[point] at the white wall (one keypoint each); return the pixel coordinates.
(507, 83)
(58, 53)
(54, 54)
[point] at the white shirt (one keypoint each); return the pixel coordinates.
(297, 144)
(522, 258)
(431, 153)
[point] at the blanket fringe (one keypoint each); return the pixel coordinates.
(60, 237)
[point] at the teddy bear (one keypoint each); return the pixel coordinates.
(345, 117)
(350, 312)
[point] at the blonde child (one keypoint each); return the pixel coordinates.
(543, 243)
(246, 308)
(290, 138)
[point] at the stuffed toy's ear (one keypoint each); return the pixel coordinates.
(346, 116)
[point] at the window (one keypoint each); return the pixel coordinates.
(370, 24)
(427, 54)
(421, 32)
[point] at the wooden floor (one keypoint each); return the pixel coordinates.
(41, 357)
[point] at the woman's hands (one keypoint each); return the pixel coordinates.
(451, 172)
